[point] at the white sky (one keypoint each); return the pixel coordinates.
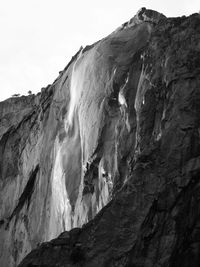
(39, 37)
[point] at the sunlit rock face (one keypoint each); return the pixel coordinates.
(116, 134)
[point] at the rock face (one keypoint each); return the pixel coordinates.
(118, 134)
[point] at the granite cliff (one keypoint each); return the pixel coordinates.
(103, 166)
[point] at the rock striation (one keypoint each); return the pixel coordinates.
(105, 162)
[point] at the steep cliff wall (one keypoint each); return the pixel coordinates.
(118, 128)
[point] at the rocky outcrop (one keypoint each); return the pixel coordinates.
(116, 134)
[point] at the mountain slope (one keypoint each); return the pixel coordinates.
(116, 134)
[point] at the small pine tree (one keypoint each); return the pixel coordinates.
(16, 95)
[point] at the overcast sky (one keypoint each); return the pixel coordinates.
(39, 37)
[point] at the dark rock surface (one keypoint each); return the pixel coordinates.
(118, 134)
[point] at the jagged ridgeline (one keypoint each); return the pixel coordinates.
(102, 168)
